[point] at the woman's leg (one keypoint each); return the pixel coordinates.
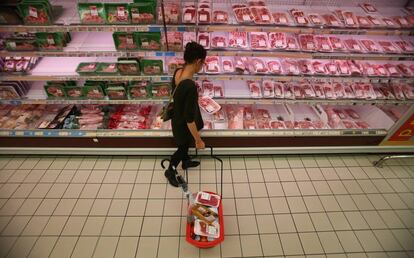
(176, 158)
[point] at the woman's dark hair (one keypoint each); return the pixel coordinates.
(194, 51)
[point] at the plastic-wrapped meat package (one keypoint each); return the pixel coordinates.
(370, 46)
(388, 47)
(292, 43)
(290, 67)
(220, 17)
(235, 117)
(189, 14)
(369, 69)
(171, 11)
(401, 21)
(408, 90)
(227, 64)
(364, 22)
(343, 67)
(220, 116)
(262, 15)
(204, 15)
(277, 40)
(363, 91)
(353, 45)
(204, 39)
(405, 46)
(331, 20)
(175, 40)
(354, 68)
(259, 41)
(331, 68)
(255, 90)
(390, 23)
(337, 44)
(323, 44)
(303, 124)
(398, 91)
(352, 113)
(288, 91)
(249, 124)
(297, 90)
(238, 39)
(376, 21)
(212, 65)
(307, 42)
(380, 70)
(329, 91)
(318, 88)
(349, 19)
(349, 93)
(208, 105)
(189, 36)
(263, 124)
(299, 17)
(305, 67)
(316, 19)
(368, 8)
(262, 114)
(219, 40)
(334, 121)
(274, 66)
(218, 89)
(279, 90)
(405, 70)
(280, 18)
(339, 90)
(386, 91)
(258, 66)
(362, 125)
(349, 124)
(378, 93)
(242, 13)
(276, 124)
(241, 64)
(308, 91)
(208, 89)
(319, 68)
(248, 113)
(392, 70)
(268, 89)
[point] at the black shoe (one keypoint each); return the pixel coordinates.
(171, 175)
(190, 164)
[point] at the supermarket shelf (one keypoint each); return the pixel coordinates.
(215, 133)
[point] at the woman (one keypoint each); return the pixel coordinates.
(187, 120)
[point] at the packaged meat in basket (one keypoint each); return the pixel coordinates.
(305, 67)
(262, 15)
(316, 19)
(388, 47)
(277, 40)
(204, 15)
(292, 43)
(203, 39)
(279, 90)
(228, 64)
(274, 66)
(189, 14)
(299, 17)
(219, 40)
(370, 46)
(238, 39)
(290, 67)
(212, 65)
(331, 20)
(331, 68)
(392, 70)
(337, 44)
(323, 44)
(281, 18)
(353, 45)
(405, 46)
(258, 66)
(220, 17)
(268, 89)
(408, 90)
(405, 70)
(259, 41)
(307, 42)
(364, 21)
(319, 68)
(208, 105)
(318, 89)
(255, 89)
(242, 13)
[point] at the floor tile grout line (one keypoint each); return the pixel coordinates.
(162, 216)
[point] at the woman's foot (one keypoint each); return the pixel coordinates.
(186, 164)
(171, 175)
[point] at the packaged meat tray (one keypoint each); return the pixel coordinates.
(189, 36)
(337, 44)
(235, 117)
(388, 47)
(299, 17)
(386, 91)
(307, 90)
(148, 40)
(318, 89)
(398, 91)
(363, 91)
(339, 90)
(307, 42)
(408, 90)
(402, 21)
(218, 89)
(274, 66)
(35, 13)
(241, 64)
(189, 14)
(262, 15)
(91, 13)
(152, 67)
(219, 40)
(107, 69)
(175, 40)
(117, 13)
(268, 89)
(55, 91)
(128, 67)
(21, 44)
(208, 104)
(125, 41)
(390, 23)
(343, 67)
(277, 40)
(203, 229)
(405, 46)
(316, 19)
(116, 91)
(331, 68)
(376, 21)
(364, 21)
(323, 44)
(319, 68)
(258, 66)
(87, 68)
(305, 67)
(204, 39)
(160, 90)
(405, 70)
(255, 89)
(207, 89)
(368, 8)
(242, 13)
(171, 11)
(138, 90)
(290, 67)
(259, 41)
(353, 45)
(220, 17)
(370, 46)
(392, 70)
(52, 41)
(228, 65)
(93, 92)
(204, 15)
(173, 63)
(331, 20)
(328, 90)
(349, 19)
(142, 13)
(280, 90)
(281, 18)
(212, 65)
(292, 43)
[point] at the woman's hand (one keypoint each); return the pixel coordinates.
(200, 144)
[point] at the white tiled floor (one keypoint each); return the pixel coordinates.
(274, 206)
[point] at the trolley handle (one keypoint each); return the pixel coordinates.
(221, 166)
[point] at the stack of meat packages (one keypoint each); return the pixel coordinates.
(91, 117)
(345, 118)
(131, 117)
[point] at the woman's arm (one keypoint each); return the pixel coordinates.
(196, 135)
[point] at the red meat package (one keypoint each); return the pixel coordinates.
(288, 91)
(290, 67)
(369, 8)
(280, 18)
(388, 47)
(349, 19)
(364, 21)
(405, 46)
(262, 15)
(238, 39)
(208, 89)
(208, 199)
(308, 91)
(255, 90)
(242, 13)
(227, 64)
(263, 124)
(189, 14)
(259, 41)
(390, 23)
(352, 113)
(277, 40)
(292, 43)
(378, 93)
(323, 44)
(319, 68)
(332, 20)
(316, 19)
(405, 70)
(401, 21)
(305, 67)
(398, 91)
(307, 42)
(189, 36)
(349, 93)
(353, 45)
(219, 40)
(212, 65)
(370, 46)
(276, 124)
(339, 90)
(220, 17)
(355, 68)
(204, 39)
(376, 21)
(369, 69)
(363, 91)
(235, 117)
(408, 90)
(218, 90)
(249, 124)
(329, 91)
(274, 67)
(208, 104)
(343, 67)
(241, 64)
(297, 90)
(392, 70)
(380, 70)
(268, 89)
(337, 44)
(258, 66)
(279, 90)
(299, 17)
(171, 11)
(386, 91)
(318, 88)
(204, 15)
(331, 68)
